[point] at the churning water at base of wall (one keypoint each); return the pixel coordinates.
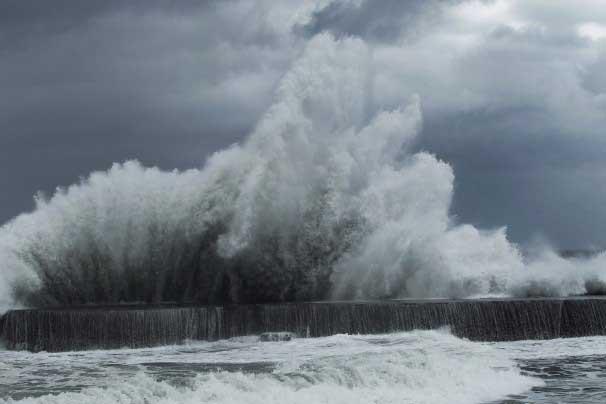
(417, 367)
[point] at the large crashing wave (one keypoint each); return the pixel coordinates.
(322, 200)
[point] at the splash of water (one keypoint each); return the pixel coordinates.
(323, 199)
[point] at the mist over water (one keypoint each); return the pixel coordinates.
(325, 199)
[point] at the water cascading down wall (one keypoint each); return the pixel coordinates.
(480, 320)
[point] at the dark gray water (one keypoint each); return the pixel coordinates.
(574, 379)
(419, 367)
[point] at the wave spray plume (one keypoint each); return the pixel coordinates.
(323, 199)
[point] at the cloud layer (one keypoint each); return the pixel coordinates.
(513, 93)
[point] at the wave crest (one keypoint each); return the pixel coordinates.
(324, 199)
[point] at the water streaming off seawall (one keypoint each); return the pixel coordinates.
(480, 320)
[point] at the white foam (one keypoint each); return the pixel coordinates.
(419, 367)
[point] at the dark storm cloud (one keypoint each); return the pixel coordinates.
(27, 20)
(382, 21)
(530, 153)
(513, 97)
(530, 178)
(85, 84)
(20, 14)
(514, 100)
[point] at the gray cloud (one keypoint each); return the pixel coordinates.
(513, 98)
(532, 180)
(382, 21)
(85, 85)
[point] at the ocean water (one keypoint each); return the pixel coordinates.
(414, 367)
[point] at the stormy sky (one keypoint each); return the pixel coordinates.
(513, 93)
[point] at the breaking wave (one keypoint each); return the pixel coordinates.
(420, 367)
(323, 199)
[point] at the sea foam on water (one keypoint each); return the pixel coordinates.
(430, 367)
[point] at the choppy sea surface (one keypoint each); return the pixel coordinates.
(414, 367)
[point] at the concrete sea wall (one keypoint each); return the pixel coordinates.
(140, 326)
